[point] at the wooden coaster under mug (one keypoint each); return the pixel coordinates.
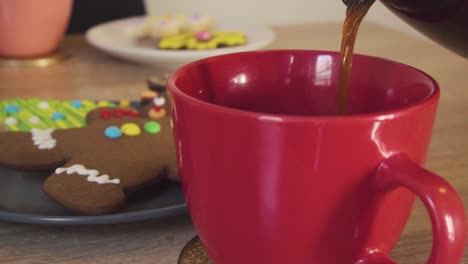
(194, 253)
(45, 61)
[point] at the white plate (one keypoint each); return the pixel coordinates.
(109, 37)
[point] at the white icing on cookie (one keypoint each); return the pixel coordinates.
(11, 121)
(34, 120)
(93, 175)
(43, 139)
(43, 105)
(159, 101)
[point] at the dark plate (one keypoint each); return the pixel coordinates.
(23, 200)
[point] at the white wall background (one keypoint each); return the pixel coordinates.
(273, 12)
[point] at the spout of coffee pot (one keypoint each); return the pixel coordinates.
(346, 2)
(360, 2)
(443, 21)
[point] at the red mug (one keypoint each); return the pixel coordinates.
(272, 176)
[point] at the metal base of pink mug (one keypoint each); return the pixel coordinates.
(194, 253)
(44, 61)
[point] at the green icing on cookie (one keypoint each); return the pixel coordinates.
(2, 113)
(88, 105)
(33, 106)
(38, 113)
(73, 115)
(57, 107)
(25, 117)
(12, 127)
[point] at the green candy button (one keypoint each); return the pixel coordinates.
(152, 127)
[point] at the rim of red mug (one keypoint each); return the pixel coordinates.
(264, 116)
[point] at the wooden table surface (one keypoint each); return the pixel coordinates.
(91, 74)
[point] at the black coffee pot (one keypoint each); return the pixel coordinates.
(444, 21)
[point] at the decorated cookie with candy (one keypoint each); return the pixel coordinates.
(202, 40)
(95, 167)
(157, 27)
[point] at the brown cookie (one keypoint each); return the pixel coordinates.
(95, 167)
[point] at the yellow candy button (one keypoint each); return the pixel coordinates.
(103, 103)
(124, 103)
(131, 129)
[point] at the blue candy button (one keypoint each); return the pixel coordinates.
(76, 104)
(12, 109)
(58, 116)
(113, 132)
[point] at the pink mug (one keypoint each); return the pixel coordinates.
(31, 28)
(272, 176)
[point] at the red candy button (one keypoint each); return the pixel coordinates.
(118, 113)
(105, 113)
(129, 112)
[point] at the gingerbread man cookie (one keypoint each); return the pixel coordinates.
(95, 167)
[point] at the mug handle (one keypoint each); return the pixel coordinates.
(445, 209)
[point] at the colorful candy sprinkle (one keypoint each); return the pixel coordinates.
(12, 109)
(11, 121)
(119, 113)
(152, 127)
(159, 101)
(129, 112)
(156, 112)
(76, 104)
(113, 132)
(149, 94)
(131, 129)
(34, 120)
(203, 35)
(43, 105)
(105, 113)
(124, 103)
(58, 116)
(103, 103)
